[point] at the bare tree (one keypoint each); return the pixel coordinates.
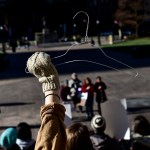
(131, 13)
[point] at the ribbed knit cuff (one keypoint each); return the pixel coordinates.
(49, 83)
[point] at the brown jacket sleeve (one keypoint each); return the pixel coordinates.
(52, 134)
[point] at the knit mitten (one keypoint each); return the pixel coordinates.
(40, 65)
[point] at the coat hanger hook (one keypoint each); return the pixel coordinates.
(86, 34)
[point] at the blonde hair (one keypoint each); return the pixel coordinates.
(78, 137)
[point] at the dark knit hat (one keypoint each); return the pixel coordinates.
(98, 122)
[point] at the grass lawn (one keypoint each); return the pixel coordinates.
(134, 42)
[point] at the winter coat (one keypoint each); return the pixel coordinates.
(52, 134)
(100, 88)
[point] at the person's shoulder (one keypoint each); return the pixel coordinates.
(96, 138)
(31, 146)
(95, 83)
(70, 80)
(80, 82)
(102, 82)
(14, 147)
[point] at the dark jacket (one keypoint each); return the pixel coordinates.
(104, 142)
(64, 92)
(99, 89)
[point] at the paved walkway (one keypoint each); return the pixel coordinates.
(49, 47)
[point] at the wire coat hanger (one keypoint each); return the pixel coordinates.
(89, 61)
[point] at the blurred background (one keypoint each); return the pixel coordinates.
(31, 20)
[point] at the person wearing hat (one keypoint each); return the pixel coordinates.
(24, 136)
(100, 140)
(8, 139)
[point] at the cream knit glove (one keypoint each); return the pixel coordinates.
(40, 65)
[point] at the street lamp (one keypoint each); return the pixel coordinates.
(98, 31)
(74, 31)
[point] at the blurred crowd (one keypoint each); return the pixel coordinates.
(83, 93)
(18, 138)
(79, 137)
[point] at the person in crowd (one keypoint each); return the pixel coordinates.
(24, 136)
(89, 88)
(78, 137)
(75, 89)
(8, 139)
(65, 92)
(52, 132)
(24, 42)
(13, 44)
(14, 147)
(100, 88)
(4, 36)
(100, 140)
(140, 135)
(140, 126)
